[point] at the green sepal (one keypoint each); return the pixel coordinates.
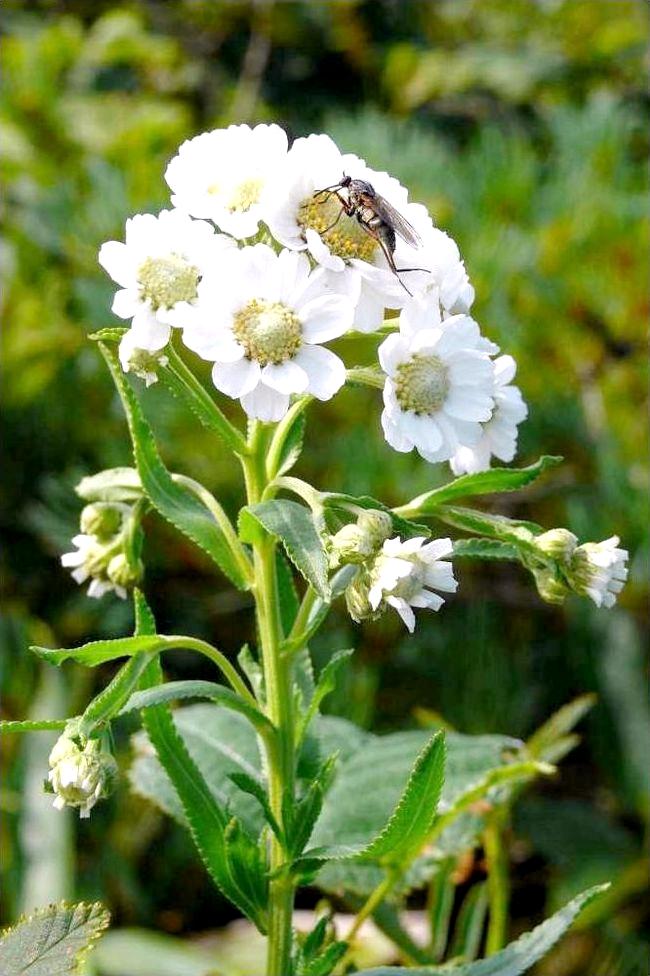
(293, 524)
(185, 512)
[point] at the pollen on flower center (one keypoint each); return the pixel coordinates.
(347, 239)
(244, 195)
(167, 280)
(269, 331)
(422, 384)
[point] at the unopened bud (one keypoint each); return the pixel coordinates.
(549, 586)
(101, 520)
(358, 542)
(356, 598)
(558, 544)
(123, 573)
(80, 773)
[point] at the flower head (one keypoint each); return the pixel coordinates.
(80, 774)
(262, 327)
(100, 551)
(159, 268)
(303, 218)
(439, 386)
(405, 574)
(598, 570)
(224, 175)
(499, 434)
(142, 362)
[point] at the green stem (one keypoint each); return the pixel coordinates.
(280, 748)
(239, 553)
(372, 903)
(498, 885)
(215, 655)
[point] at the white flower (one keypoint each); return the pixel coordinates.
(90, 560)
(79, 776)
(302, 219)
(405, 574)
(439, 388)
(159, 269)
(224, 175)
(262, 325)
(598, 570)
(499, 437)
(143, 362)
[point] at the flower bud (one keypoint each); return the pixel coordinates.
(598, 570)
(80, 774)
(142, 362)
(122, 573)
(357, 542)
(101, 520)
(356, 598)
(558, 544)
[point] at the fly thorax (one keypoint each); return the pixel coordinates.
(422, 384)
(244, 195)
(347, 239)
(269, 331)
(164, 281)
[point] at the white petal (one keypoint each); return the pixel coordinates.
(236, 379)
(116, 259)
(404, 611)
(326, 372)
(468, 403)
(125, 303)
(148, 332)
(321, 252)
(392, 351)
(287, 377)
(437, 548)
(324, 318)
(266, 404)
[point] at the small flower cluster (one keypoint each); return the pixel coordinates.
(81, 771)
(286, 270)
(101, 550)
(391, 572)
(597, 570)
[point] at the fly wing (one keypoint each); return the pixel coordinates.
(395, 220)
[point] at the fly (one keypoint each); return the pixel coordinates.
(376, 216)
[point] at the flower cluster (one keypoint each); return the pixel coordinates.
(81, 771)
(101, 551)
(259, 265)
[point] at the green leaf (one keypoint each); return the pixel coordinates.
(482, 483)
(254, 788)
(174, 690)
(53, 941)
(222, 846)
(543, 742)
(98, 652)
(413, 817)
(43, 725)
(484, 549)
(294, 526)
(173, 502)
(288, 440)
(110, 334)
(287, 595)
(516, 958)
(111, 699)
(111, 485)
(441, 898)
(325, 685)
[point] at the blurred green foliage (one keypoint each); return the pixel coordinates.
(520, 123)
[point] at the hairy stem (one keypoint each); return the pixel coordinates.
(498, 885)
(280, 747)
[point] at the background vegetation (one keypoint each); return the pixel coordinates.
(520, 123)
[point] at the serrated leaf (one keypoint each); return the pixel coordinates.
(98, 652)
(254, 788)
(175, 690)
(32, 725)
(325, 685)
(484, 549)
(170, 500)
(190, 792)
(294, 526)
(291, 446)
(109, 334)
(482, 483)
(514, 531)
(516, 958)
(287, 594)
(411, 821)
(53, 941)
(111, 699)
(556, 728)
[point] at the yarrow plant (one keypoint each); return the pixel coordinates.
(262, 263)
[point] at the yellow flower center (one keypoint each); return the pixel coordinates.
(168, 280)
(422, 384)
(244, 195)
(347, 239)
(269, 331)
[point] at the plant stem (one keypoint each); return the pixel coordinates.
(498, 885)
(373, 902)
(280, 748)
